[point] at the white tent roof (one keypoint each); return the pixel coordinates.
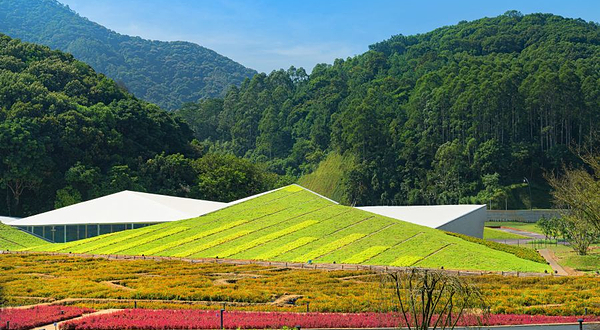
(7, 220)
(433, 216)
(124, 207)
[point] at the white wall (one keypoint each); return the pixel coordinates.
(469, 224)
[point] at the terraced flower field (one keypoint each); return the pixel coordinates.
(14, 239)
(294, 224)
(99, 283)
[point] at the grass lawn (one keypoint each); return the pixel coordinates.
(531, 227)
(490, 233)
(568, 257)
(14, 239)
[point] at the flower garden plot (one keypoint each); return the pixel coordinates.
(353, 248)
(15, 239)
(193, 319)
(55, 247)
(278, 226)
(248, 224)
(266, 238)
(129, 247)
(71, 276)
(470, 257)
(21, 319)
(262, 227)
(365, 255)
(285, 248)
(203, 244)
(329, 219)
(108, 243)
(341, 238)
(346, 240)
(326, 231)
(188, 239)
(193, 251)
(165, 246)
(409, 251)
(389, 237)
(6, 244)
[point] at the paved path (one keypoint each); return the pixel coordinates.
(51, 326)
(522, 232)
(552, 261)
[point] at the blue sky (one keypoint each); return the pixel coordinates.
(268, 35)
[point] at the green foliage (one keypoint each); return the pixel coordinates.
(227, 178)
(166, 73)
(293, 224)
(328, 177)
(15, 239)
(521, 252)
(457, 115)
(577, 192)
(68, 134)
(491, 233)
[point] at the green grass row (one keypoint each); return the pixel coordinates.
(15, 239)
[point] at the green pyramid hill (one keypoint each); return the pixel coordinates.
(295, 225)
(15, 239)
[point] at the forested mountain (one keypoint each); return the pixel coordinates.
(69, 134)
(465, 113)
(165, 73)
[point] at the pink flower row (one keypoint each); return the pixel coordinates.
(197, 319)
(27, 318)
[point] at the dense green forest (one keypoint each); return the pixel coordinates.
(164, 73)
(474, 112)
(69, 134)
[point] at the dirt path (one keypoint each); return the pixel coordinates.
(116, 285)
(286, 299)
(551, 259)
(51, 326)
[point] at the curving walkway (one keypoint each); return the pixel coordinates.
(551, 259)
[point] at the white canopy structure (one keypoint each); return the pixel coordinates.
(462, 219)
(7, 220)
(119, 211)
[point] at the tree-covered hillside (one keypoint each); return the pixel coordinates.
(69, 134)
(465, 113)
(165, 73)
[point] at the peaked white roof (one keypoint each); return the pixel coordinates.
(433, 216)
(123, 207)
(7, 220)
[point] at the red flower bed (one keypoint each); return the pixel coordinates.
(197, 319)
(27, 318)
(510, 319)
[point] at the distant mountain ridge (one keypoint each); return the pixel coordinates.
(166, 73)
